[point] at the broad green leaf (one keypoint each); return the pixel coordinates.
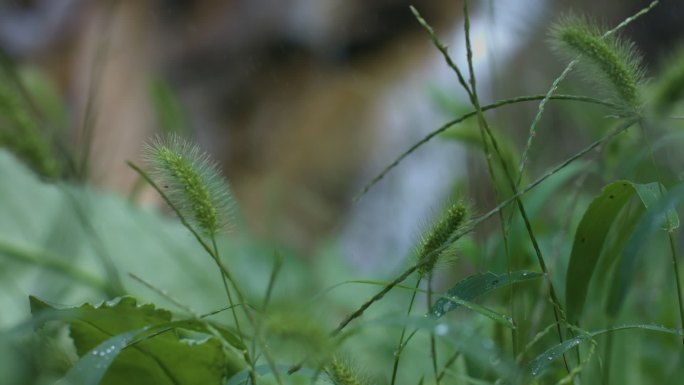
(475, 286)
(592, 232)
(161, 359)
(105, 227)
(538, 365)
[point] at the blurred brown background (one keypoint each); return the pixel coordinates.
(302, 101)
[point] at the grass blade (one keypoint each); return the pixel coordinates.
(660, 213)
(91, 368)
(537, 366)
(475, 286)
(592, 233)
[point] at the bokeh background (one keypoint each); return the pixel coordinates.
(301, 102)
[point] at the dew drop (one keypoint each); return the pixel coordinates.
(95, 352)
(441, 329)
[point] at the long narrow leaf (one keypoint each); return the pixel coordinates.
(592, 233)
(538, 365)
(475, 286)
(91, 368)
(661, 215)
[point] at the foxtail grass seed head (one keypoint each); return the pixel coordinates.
(608, 60)
(192, 182)
(341, 372)
(453, 220)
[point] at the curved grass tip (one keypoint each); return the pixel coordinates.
(192, 182)
(606, 59)
(434, 246)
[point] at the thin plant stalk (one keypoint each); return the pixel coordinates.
(675, 267)
(447, 365)
(670, 235)
(90, 113)
(44, 259)
(464, 117)
(400, 345)
(224, 270)
(607, 357)
(433, 342)
(556, 83)
(484, 126)
(227, 290)
(267, 298)
(474, 224)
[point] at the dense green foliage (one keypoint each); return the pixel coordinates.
(578, 280)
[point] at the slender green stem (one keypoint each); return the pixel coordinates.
(484, 127)
(271, 281)
(673, 248)
(607, 357)
(474, 224)
(99, 247)
(51, 262)
(537, 118)
(554, 88)
(227, 290)
(164, 294)
(379, 295)
(433, 342)
(397, 352)
(442, 48)
(675, 267)
(94, 82)
(224, 270)
(448, 364)
(464, 117)
(267, 298)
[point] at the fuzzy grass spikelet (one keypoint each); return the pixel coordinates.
(192, 182)
(341, 372)
(453, 220)
(608, 59)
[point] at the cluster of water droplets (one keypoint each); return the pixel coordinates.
(104, 352)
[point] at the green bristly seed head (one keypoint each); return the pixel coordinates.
(452, 221)
(605, 59)
(192, 183)
(340, 373)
